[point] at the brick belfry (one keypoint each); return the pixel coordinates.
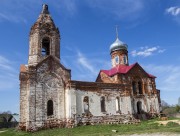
(49, 98)
(43, 80)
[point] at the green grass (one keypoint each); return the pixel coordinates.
(100, 130)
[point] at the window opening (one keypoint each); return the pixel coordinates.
(50, 108)
(140, 87)
(103, 109)
(86, 104)
(134, 87)
(117, 104)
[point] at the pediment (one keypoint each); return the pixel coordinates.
(50, 63)
(52, 67)
(102, 77)
(137, 70)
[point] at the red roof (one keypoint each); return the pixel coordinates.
(122, 69)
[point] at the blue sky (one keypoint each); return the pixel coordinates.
(151, 28)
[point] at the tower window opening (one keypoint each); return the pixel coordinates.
(103, 109)
(45, 47)
(50, 108)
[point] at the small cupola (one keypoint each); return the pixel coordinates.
(119, 52)
(45, 9)
(118, 45)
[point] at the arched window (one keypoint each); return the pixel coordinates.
(50, 108)
(117, 59)
(117, 104)
(86, 104)
(45, 50)
(140, 87)
(134, 87)
(103, 109)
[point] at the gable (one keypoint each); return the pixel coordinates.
(123, 69)
(51, 67)
(102, 77)
(138, 71)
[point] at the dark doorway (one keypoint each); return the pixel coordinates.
(139, 107)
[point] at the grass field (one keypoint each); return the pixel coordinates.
(100, 130)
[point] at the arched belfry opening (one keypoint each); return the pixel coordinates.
(139, 107)
(45, 50)
(50, 108)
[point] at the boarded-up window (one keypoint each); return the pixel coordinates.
(50, 108)
(103, 109)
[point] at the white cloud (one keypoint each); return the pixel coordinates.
(84, 62)
(5, 64)
(85, 66)
(70, 6)
(146, 51)
(119, 8)
(168, 76)
(174, 11)
(161, 50)
(23, 10)
(8, 74)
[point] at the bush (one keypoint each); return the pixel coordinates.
(170, 110)
(177, 108)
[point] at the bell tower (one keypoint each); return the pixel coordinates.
(119, 52)
(44, 39)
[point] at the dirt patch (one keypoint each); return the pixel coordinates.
(166, 121)
(2, 131)
(153, 134)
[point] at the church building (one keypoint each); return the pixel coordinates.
(50, 98)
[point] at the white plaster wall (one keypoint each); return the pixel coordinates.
(74, 98)
(70, 102)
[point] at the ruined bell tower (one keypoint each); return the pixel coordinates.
(43, 80)
(44, 39)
